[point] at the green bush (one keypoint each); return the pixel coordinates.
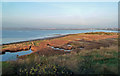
(40, 68)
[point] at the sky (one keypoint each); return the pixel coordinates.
(60, 0)
(45, 15)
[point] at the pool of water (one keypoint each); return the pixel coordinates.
(60, 49)
(8, 56)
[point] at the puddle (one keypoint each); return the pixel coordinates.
(69, 45)
(8, 56)
(63, 49)
(59, 49)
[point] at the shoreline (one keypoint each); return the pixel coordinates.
(44, 38)
(47, 38)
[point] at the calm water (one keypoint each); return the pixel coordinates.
(9, 36)
(13, 56)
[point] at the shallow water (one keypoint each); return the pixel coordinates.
(8, 56)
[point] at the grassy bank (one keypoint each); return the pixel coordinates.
(96, 61)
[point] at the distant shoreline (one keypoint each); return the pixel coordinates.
(112, 29)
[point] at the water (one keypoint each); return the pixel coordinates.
(59, 49)
(9, 36)
(8, 56)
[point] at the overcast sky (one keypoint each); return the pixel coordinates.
(59, 14)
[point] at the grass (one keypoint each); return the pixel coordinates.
(95, 61)
(102, 33)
